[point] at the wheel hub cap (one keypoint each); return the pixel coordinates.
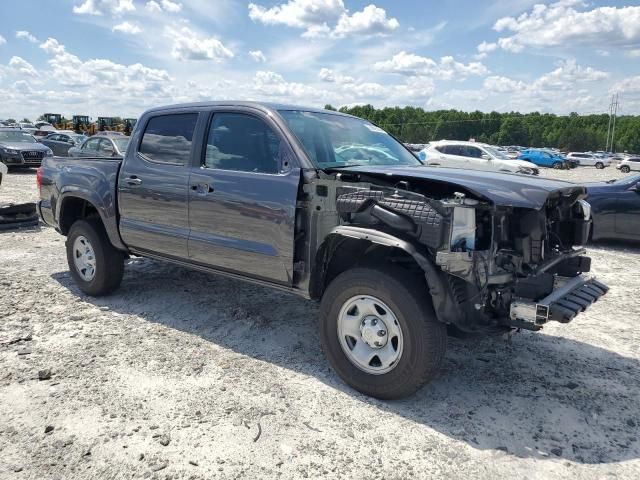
(374, 332)
(370, 334)
(84, 258)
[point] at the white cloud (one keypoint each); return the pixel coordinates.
(21, 66)
(127, 27)
(563, 23)
(153, 6)
(170, 6)
(89, 7)
(2, 40)
(484, 49)
(627, 85)
(257, 56)
(329, 76)
(187, 45)
(414, 65)
(298, 13)
(634, 53)
(370, 21)
(502, 84)
(322, 18)
(69, 70)
(568, 76)
(26, 35)
(100, 7)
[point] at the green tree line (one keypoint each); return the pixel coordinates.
(572, 133)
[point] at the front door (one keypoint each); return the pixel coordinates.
(242, 198)
(153, 186)
(628, 214)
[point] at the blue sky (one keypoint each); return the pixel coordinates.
(119, 57)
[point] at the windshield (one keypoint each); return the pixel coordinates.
(121, 143)
(16, 137)
(78, 138)
(495, 153)
(336, 141)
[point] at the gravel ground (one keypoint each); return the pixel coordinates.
(184, 375)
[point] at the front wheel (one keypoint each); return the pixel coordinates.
(557, 165)
(379, 331)
(625, 169)
(95, 265)
(599, 165)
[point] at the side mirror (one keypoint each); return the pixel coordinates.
(636, 187)
(485, 157)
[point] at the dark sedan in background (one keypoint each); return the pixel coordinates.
(102, 146)
(615, 206)
(60, 143)
(20, 149)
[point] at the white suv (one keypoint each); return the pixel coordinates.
(589, 159)
(473, 156)
(628, 164)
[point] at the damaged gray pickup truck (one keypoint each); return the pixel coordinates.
(333, 208)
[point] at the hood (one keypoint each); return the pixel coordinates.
(24, 146)
(522, 163)
(503, 189)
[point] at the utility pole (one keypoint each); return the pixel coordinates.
(613, 128)
(606, 147)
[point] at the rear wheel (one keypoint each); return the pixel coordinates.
(95, 265)
(625, 169)
(379, 332)
(599, 165)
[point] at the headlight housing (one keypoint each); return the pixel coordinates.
(48, 153)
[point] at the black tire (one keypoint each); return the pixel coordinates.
(625, 169)
(424, 338)
(557, 165)
(599, 165)
(109, 262)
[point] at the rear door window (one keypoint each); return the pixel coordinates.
(91, 145)
(168, 138)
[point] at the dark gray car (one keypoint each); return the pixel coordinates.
(60, 143)
(20, 149)
(114, 146)
(395, 252)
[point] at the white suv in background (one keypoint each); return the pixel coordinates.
(473, 156)
(628, 164)
(589, 159)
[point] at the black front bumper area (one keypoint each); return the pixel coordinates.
(571, 295)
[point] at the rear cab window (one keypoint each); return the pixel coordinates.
(168, 138)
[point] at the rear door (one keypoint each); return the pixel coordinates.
(153, 185)
(452, 156)
(242, 197)
(473, 158)
(90, 148)
(628, 214)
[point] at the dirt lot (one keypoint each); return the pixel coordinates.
(183, 375)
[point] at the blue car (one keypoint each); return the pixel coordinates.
(544, 158)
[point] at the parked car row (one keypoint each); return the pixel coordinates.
(19, 148)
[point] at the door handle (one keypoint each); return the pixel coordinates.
(133, 180)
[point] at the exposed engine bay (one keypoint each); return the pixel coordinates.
(487, 265)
